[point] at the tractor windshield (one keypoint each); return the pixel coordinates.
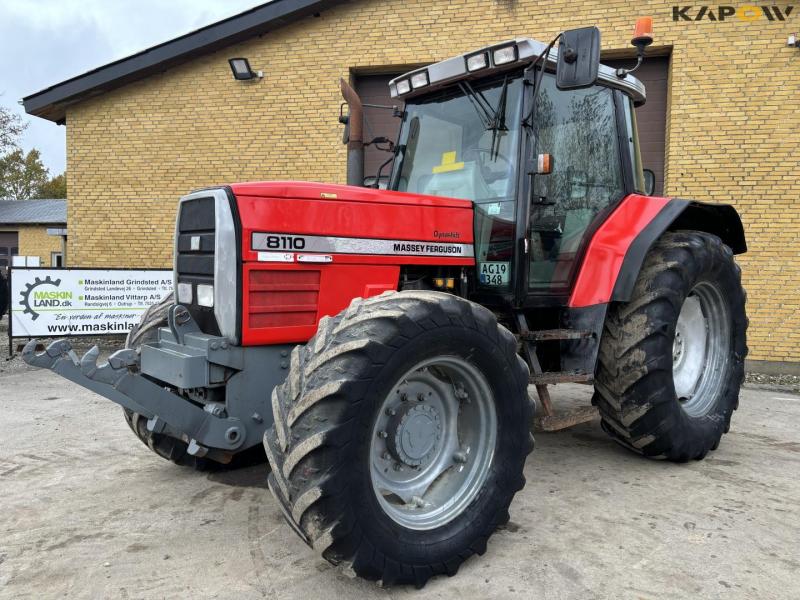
(463, 142)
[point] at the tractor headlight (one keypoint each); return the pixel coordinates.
(505, 55)
(185, 293)
(205, 295)
(419, 80)
(476, 62)
(403, 87)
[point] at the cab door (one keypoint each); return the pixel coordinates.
(579, 129)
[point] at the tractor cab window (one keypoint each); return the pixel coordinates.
(578, 129)
(462, 142)
(633, 146)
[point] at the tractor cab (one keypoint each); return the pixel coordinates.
(543, 158)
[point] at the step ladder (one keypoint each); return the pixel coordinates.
(547, 419)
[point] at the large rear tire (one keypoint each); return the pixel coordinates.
(401, 434)
(671, 360)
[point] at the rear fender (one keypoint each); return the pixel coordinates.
(721, 220)
(618, 248)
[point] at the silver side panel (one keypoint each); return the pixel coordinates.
(225, 267)
(352, 245)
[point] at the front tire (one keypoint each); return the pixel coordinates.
(671, 360)
(167, 447)
(401, 434)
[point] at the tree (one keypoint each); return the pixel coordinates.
(22, 175)
(55, 187)
(11, 127)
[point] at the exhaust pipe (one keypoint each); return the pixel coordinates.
(355, 139)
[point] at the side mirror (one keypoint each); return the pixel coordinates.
(649, 182)
(578, 58)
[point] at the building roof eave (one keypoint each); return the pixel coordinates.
(50, 103)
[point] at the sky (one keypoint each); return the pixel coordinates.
(43, 42)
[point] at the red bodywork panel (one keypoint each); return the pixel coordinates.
(283, 298)
(284, 295)
(603, 259)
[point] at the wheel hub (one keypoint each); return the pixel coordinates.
(414, 434)
(700, 348)
(433, 441)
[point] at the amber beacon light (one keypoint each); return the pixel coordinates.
(642, 38)
(643, 32)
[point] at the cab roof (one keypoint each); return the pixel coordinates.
(453, 69)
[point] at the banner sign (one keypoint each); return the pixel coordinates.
(65, 302)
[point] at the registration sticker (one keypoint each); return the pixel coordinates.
(495, 273)
(275, 257)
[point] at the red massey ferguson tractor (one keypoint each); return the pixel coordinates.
(380, 343)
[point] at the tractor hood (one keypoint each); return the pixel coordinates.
(351, 224)
(308, 249)
(349, 193)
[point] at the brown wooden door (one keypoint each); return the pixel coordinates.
(652, 117)
(9, 246)
(378, 122)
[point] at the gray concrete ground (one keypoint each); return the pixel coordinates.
(87, 511)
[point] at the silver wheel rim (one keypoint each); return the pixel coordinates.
(433, 442)
(701, 349)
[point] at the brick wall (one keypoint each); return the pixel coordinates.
(732, 125)
(34, 241)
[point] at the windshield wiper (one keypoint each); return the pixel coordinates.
(493, 119)
(479, 102)
(499, 121)
(398, 149)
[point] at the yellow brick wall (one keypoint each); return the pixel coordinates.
(34, 241)
(731, 128)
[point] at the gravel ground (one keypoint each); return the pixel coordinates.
(89, 512)
(778, 382)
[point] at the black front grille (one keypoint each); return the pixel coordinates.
(195, 255)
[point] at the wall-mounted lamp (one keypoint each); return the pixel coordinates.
(793, 41)
(242, 71)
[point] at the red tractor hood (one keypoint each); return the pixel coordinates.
(308, 249)
(330, 191)
(436, 228)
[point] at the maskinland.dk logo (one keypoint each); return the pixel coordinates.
(747, 12)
